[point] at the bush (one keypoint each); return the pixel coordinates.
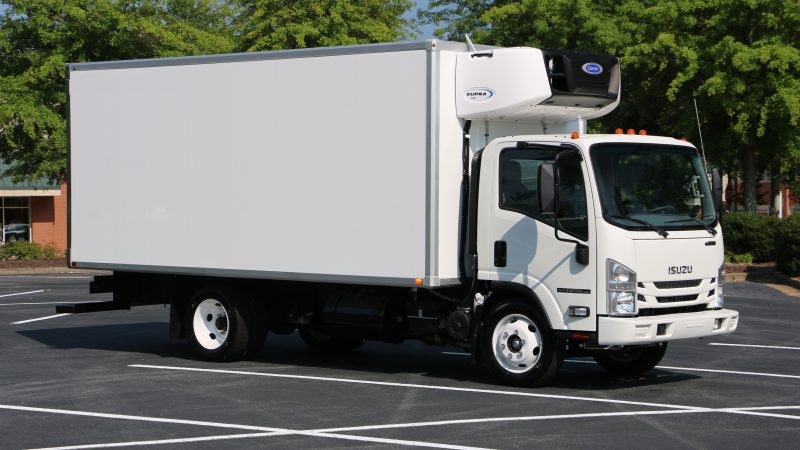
(745, 258)
(787, 246)
(750, 233)
(29, 250)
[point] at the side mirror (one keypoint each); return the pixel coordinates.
(546, 187)
(716, 189)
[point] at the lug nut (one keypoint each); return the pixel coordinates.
(505, 335)
(510, 356)
(516, 332)
(502, 346)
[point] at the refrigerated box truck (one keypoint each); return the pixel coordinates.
(422, 190)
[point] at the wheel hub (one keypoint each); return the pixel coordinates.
(517, 343)
(210, 324)
(514, 344)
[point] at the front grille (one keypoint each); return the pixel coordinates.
(677, 284)
(675, 310)
(677, 298)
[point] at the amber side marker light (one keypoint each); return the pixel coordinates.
(575, 135)
(642, 132)
(619, 131)
(418, 281)
(631, 131)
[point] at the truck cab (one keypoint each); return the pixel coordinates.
(623, 255)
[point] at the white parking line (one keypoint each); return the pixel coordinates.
(40, 318)
(22, 293)
(754, 346)
(166, 441)
(417, 386)
(270, 430)
(695, 369)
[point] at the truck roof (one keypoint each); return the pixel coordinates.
(585, 140)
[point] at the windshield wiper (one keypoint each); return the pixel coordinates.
(696, 220)
(649, 225)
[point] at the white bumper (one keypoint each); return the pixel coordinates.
(644, 330)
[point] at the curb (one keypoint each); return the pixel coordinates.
(50, 270)
(769, 276)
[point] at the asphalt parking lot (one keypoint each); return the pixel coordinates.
(114, 379)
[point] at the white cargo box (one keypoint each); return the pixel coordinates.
(340, 164)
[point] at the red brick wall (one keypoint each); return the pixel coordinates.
(49, 219)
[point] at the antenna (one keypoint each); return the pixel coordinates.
(469, 44)
(700, 131)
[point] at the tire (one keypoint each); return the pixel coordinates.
(224, 325)
(631, 362)
(323, 342)
(518, 329)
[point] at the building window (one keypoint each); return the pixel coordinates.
(16, 218)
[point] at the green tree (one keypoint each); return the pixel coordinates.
(38, 37)
(738, 58)
(287, 24)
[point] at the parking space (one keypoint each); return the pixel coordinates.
(114, 379)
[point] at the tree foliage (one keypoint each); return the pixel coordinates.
(738, 58)
(287, 24)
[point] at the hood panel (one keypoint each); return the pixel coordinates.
(677, 259)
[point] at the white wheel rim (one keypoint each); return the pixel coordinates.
(517, 343)
(210, 324)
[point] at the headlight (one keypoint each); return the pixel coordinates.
(621, 288)
(719, 302)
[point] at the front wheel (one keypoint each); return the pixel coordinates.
(631, 362)
(519, 345)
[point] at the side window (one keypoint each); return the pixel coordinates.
(518, 177)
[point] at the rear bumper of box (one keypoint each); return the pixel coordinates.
(670, 327)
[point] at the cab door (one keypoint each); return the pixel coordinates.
(517, 241)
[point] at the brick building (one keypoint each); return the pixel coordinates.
(33, 211)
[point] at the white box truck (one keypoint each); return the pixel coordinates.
(421, 190)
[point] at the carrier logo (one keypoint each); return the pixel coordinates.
(479, 94)
(592, 68)
(677, 270)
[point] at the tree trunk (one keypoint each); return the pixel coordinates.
(750, 180)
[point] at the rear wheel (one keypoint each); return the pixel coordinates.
(322, 341)
(631, 362)
(225, 325)
(519, 345)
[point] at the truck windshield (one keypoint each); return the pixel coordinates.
(652, 187)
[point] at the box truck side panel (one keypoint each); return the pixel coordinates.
(306, 168)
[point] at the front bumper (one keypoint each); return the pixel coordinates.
(669, 327)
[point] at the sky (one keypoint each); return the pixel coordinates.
(426, 32)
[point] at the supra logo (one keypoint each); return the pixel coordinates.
(677, 270)
(479, 94)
